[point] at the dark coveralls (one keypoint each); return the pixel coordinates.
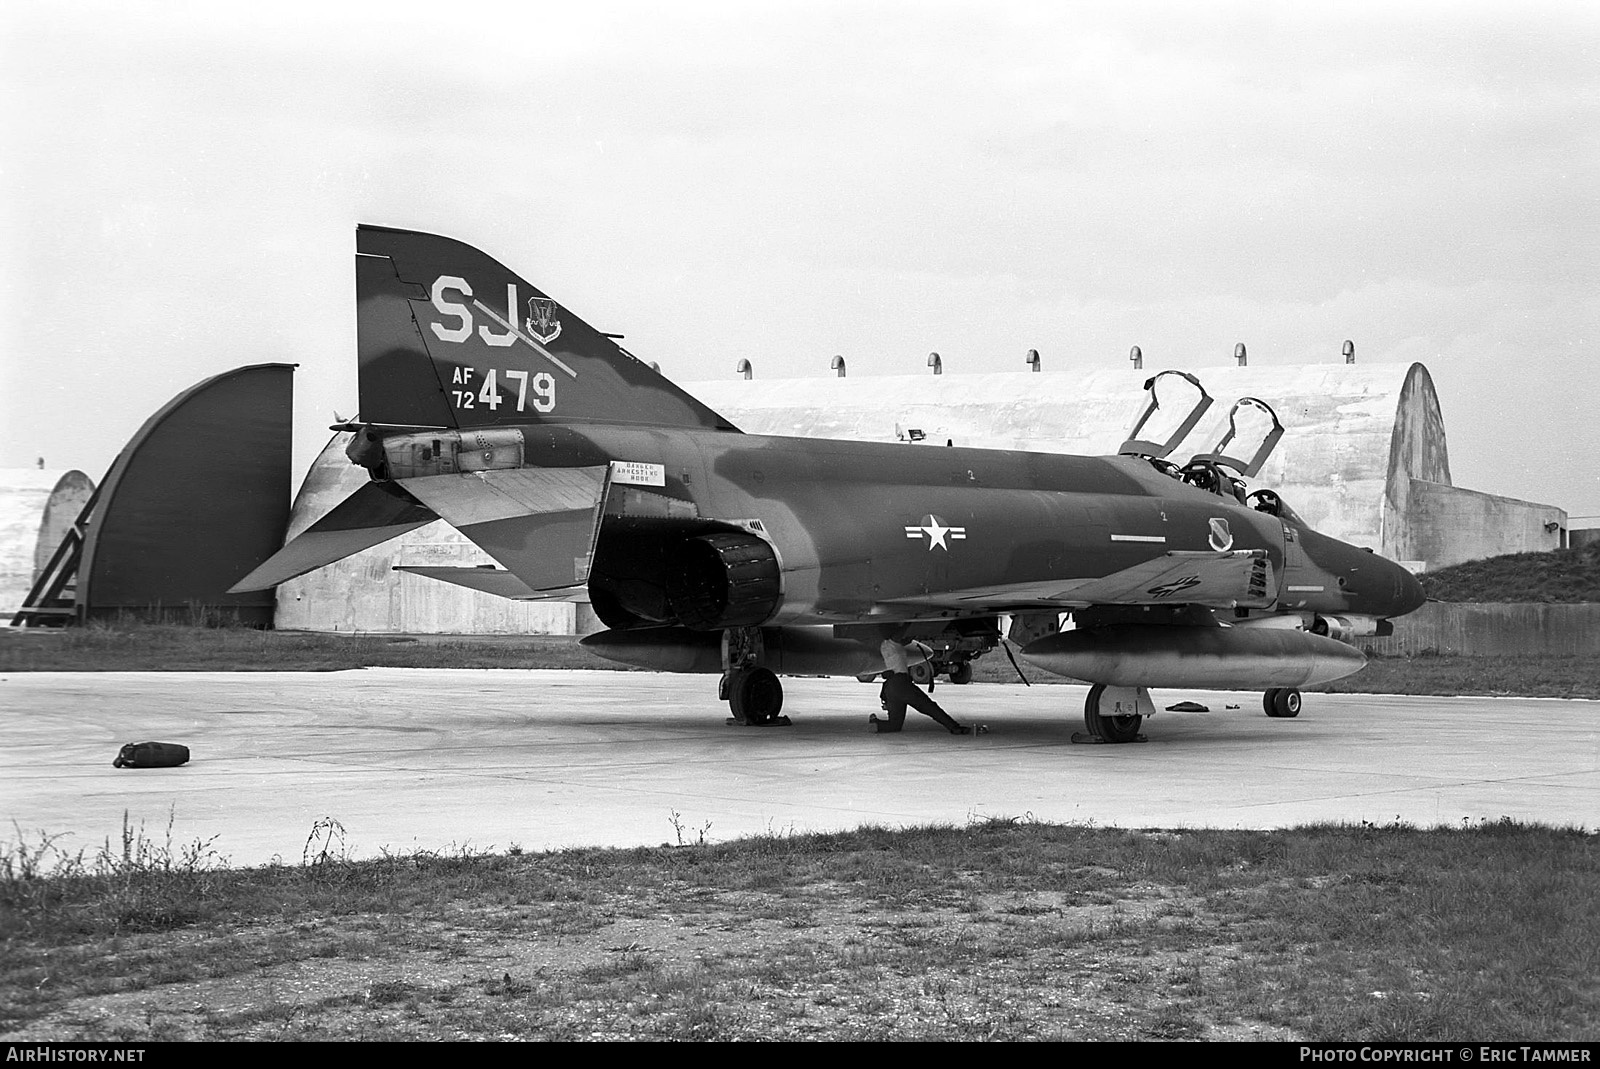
(899, 691)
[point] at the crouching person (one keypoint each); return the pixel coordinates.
(899, 691)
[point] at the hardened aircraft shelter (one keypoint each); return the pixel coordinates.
(1363, 457)
(37, 508)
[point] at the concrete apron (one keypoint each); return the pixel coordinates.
(433, 759)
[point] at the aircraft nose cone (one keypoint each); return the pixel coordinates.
(1409, 595)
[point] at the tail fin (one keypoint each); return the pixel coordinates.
(449, 337)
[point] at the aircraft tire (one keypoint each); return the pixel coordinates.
(1091, 710)
(1287, 702)
(755, 695)
(1120, 728)
(1269, 702)
(1108, 728)
(921, 673)
(961, 673)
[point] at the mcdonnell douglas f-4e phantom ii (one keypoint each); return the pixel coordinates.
(586, 474)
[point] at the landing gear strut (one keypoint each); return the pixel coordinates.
(1281, 702)
(754, 694)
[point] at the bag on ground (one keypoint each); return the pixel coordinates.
(151, 755)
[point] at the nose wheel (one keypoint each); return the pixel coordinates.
(1281, 702)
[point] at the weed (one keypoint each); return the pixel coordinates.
(325, 846)
(389, 992)
(137, 884)
(628, 963)
(678, 828)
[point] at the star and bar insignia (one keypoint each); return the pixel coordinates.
(936, 531)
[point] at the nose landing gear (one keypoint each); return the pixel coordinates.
(1281, 702)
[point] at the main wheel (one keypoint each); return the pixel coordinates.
(1287, 702)
(1269, 701)
(961, 673)
(921, 673)
(755, 696)
(1120, 728)
(1091, 710)
(1108, 728)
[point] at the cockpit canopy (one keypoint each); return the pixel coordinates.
(1269, 502)
(1164, 422)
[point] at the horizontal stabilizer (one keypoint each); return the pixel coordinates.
(539, 523)
(373, 514)
(493, 581)
(485, 496)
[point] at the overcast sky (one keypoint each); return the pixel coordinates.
(179, 187)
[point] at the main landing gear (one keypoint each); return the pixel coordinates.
(1281, 702)
(754, 694)
(1113, 716)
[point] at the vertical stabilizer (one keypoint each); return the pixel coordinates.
(449, 337)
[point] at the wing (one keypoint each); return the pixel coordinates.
(1236, 578)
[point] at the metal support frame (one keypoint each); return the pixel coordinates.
(53, 599)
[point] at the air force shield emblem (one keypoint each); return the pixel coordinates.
(1221, 536)
(542, 322)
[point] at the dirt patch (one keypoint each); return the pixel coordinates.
(809, 963)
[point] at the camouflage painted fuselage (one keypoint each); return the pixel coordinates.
(867, 530)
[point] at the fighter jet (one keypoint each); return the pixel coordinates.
(588, 475)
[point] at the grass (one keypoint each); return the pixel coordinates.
(997, 930)
(1559, 575)
(1525, 675)
(131, 646)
